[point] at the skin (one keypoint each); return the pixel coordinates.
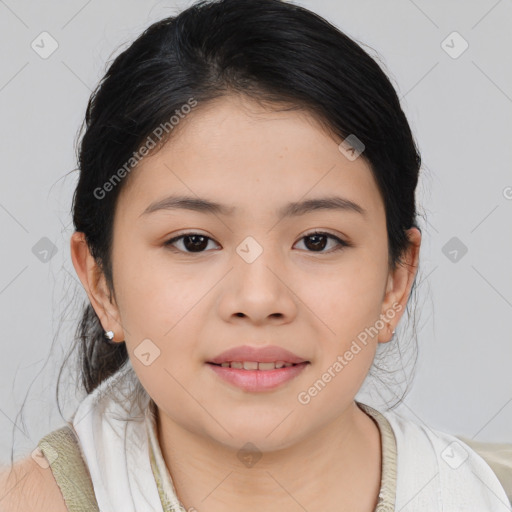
(195, 305)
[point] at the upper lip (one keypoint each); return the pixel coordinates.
(267, 354)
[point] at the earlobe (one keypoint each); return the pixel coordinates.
(94, 283)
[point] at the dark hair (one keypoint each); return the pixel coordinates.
(274, 52)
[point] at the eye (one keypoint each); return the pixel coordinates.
(317, 241)
(193, 242)
(197, 242)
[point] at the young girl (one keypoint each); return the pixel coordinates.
(245, 229)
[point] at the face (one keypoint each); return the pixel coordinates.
(191, 283)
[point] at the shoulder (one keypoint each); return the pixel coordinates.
(28, 485)
(498, 456)
(440, 469)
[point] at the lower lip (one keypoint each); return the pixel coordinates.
(257, 380)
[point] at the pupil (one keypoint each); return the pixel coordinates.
(316, 243)
(195, 246)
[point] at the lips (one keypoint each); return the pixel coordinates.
(258, 381)
(268, 354)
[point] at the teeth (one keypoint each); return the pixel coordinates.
(266, 366)
(254, 365)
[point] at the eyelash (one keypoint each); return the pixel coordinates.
(341, 243)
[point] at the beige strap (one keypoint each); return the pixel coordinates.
(387, 492)
(62, 450)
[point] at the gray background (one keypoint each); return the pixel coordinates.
(460, 110)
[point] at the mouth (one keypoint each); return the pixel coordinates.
(255, 376)
(255, 365)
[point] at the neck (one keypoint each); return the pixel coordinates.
(337, 467)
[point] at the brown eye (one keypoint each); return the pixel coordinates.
(192, 242)
(317, 242)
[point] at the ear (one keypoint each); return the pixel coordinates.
(94, 283)
(399, 286)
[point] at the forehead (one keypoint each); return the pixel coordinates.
(235, 152)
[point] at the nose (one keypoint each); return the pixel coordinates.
(259, 290)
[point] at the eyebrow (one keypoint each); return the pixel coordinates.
(293, 209)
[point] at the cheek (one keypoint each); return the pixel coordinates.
(348, 307)
(159, 303)
(151, 292)
(349, 298)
